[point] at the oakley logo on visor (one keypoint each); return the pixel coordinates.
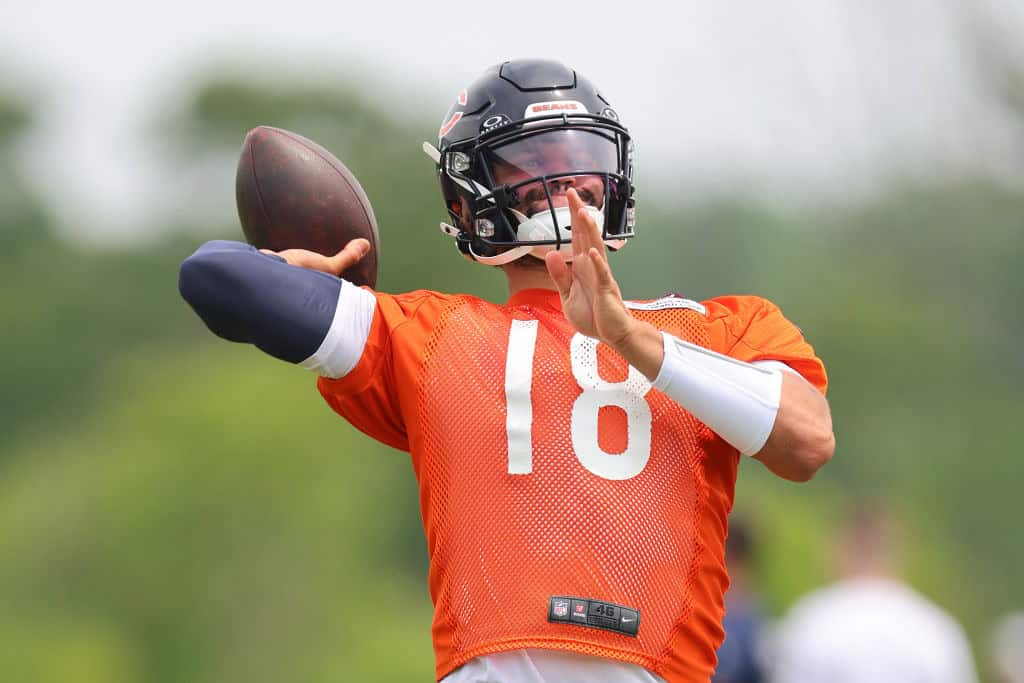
(554, 107)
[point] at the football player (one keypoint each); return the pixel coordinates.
(577, 464)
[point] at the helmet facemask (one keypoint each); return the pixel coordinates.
(514, 182)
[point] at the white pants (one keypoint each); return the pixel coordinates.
(548, 666)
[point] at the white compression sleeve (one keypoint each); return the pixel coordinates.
(737, 400)
(343, 346)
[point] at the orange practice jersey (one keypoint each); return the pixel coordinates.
(549, 468)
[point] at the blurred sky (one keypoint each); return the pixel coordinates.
(792, 101)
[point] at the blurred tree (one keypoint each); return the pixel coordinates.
(181, 536)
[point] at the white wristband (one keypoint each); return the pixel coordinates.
(737, 400)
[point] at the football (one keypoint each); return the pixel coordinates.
(292, 193)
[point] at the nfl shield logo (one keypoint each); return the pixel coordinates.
(561, 608)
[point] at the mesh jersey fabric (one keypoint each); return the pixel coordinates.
(432, 381)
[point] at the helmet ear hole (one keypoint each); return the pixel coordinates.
(452, 200)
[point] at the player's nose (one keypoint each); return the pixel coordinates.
(562, 185)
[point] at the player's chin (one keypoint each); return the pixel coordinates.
(529, 262)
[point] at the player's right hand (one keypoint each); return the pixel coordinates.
(590, 296)
(353, 252)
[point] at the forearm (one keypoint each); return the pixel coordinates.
(763, 411)
(246, 296)
(801, 440)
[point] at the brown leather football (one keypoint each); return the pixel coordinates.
(294, 194)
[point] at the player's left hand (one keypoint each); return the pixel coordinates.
(591, 299)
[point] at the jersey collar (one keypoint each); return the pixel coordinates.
(546, 298)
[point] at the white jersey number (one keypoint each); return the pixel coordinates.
(627, 395)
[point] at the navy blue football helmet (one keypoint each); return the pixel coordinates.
(511, 146)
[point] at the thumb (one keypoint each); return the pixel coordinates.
(352, 254)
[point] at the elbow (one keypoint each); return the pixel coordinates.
(811, 455)
(201, 276)
(803, 442)
(203, 282)
(798, 459)
(190, 275)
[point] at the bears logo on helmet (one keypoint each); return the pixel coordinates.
(510, 147)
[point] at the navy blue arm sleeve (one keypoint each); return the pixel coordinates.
(244, 295)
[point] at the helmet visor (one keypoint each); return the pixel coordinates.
(560, 159)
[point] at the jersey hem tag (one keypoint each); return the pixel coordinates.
(594, 614)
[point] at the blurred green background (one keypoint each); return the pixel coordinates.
(175, 508)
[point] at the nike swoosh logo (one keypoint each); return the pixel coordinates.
(626, 621)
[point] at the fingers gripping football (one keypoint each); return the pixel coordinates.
(350, 255)
(590, 296)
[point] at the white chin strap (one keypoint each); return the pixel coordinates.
(541, 226)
